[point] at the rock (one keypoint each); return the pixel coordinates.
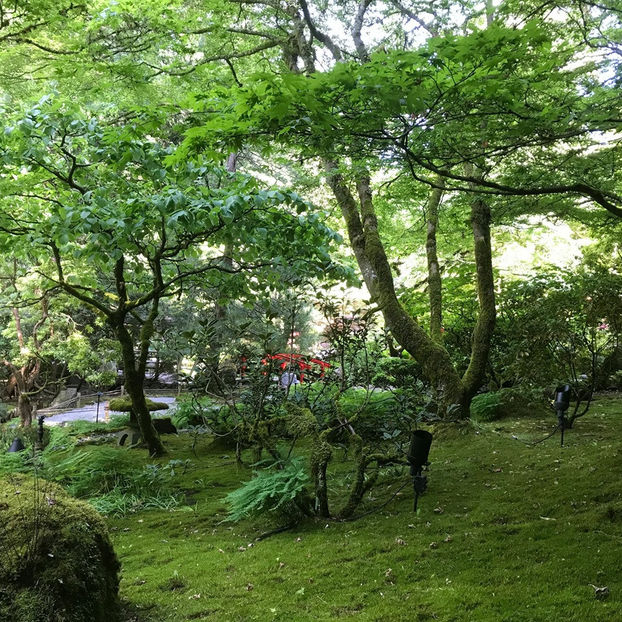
(128, 437)
(57, 559)
(164, 425)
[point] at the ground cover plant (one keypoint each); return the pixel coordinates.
(506, 531)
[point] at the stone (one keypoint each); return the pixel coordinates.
(57, 562)
(128, 437)
(164, 425)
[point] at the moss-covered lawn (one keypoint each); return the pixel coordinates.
(506, 532)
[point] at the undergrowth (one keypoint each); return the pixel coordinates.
(112, 481)
(501, 523)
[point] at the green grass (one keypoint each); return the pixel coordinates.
(505, 532)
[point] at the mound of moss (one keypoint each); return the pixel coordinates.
(56, 559)
(124, 405)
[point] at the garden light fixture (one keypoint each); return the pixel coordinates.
(562, 403)
(420, 442)
(16, 445)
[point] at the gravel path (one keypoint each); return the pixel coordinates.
(89, 412)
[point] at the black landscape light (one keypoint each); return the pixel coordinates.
(562, 403)
(99, 397)
(420, 442)
(16, 445)
(40, 432)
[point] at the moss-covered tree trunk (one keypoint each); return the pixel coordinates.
(362, 226)
(134, 368)
(435, 294)
(487, 313)
(134, 386)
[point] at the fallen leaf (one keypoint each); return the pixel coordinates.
(600, 593)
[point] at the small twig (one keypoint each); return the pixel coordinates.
(273, 532)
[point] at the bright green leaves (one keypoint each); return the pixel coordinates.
(485, 94)
(96, 193)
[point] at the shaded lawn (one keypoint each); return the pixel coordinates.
(506, 532)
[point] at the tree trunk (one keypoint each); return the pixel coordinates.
(24, 410)
(134, 385)
(435, 294)
(487, 315)
(369, 251)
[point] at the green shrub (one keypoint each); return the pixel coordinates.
(279, 490)
(191, 411)
(397, 372)
(6, 411)
(487, 407)
(56, 559)
(509, 401)
(19, 462)
(374, 411)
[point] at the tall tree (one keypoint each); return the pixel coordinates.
(468, 109)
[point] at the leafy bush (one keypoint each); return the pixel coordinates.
(397, 372)
(514, 400)
(19, 462)
(6, 412)
(276, 489)
(192, 411)
(487, 407)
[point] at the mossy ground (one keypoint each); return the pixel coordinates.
(505, 532)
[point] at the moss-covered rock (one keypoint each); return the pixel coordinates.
(57, 563)
(124, 405)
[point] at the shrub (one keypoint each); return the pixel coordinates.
(487, 407)
(6, 412)
(192, 411)
(497, 404)
(397, 372)
(19, 462)
(56, 559)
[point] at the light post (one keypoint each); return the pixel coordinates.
(562, 403)
(420, 442)
(99, 396)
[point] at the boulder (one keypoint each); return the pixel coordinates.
(56, 558)
(164, 425)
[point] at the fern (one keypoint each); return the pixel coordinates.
(272, 490)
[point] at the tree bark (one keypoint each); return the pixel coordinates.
(134, 385)
(362, 226)
(487, 314)
(435, 293)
